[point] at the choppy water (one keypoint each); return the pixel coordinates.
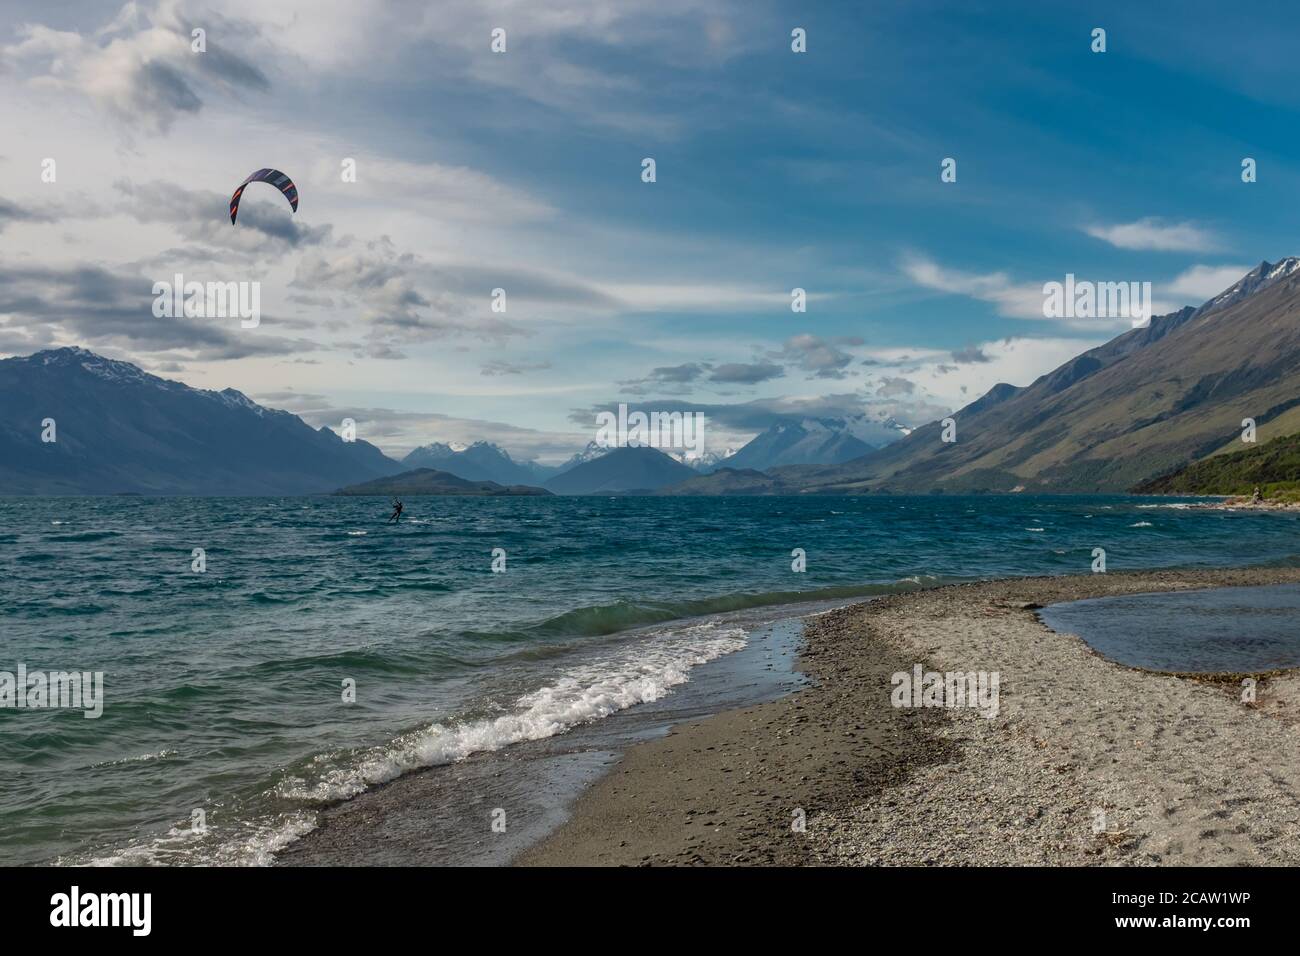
(223, 689)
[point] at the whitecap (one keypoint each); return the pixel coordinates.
(584, 693)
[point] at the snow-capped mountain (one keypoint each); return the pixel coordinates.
(816, 441)
(590, 453)
(1256, 280)
(118, 429)
(481, 461)
(705, 462)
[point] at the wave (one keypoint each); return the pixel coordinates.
(140, 758)
(82, 537)
(252, 844)
(579, 695)
(582, 693)
(601, 619)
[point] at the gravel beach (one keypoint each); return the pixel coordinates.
(1085, 762)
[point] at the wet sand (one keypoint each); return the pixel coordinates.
(1086, 761)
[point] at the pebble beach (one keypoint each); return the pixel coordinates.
(1086, 762)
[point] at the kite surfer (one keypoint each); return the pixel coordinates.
(397, 511)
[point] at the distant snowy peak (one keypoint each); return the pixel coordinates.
(457, 447)
(1256, 280)
(237, 399)
(109, 370)
(590, 453)
(115, 372)
(704, 462)
(817, 441)
(480, 461)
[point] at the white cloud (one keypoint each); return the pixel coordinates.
(673, 297)
(1151, 234)
(938, 380)
(1200, 283)
(140, 67)
(1014, 300)
(449, 193)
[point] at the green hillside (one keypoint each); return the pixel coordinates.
(1274, 467)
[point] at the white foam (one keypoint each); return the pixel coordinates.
(583, 693)
(142, 758)
(620, 678)
(250, 845)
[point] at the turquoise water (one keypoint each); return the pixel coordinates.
(224, 689)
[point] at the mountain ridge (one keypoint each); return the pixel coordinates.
(633, 468)
(429, 481)
(1145, 403)
(121, 430)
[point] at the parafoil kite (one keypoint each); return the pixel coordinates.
(273, 176)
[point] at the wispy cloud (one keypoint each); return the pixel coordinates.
(1155, 235)
(502, 367)
(1012, 299)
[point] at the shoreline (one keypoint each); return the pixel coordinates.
(1176, 770)
(1247, 503)
(442, 814)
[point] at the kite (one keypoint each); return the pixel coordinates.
(275, 178)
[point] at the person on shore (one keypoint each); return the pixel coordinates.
(397, 511)
(1256, 498)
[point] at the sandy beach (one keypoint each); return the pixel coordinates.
(1085, 762)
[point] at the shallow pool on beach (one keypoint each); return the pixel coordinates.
(1222, 629)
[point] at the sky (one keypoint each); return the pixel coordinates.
(522, 171)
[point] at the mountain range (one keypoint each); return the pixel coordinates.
(120, 430)
(481, 461)
(1146, 403)
(814, 441)
(117, 429)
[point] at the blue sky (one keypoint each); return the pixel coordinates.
(521, 170)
